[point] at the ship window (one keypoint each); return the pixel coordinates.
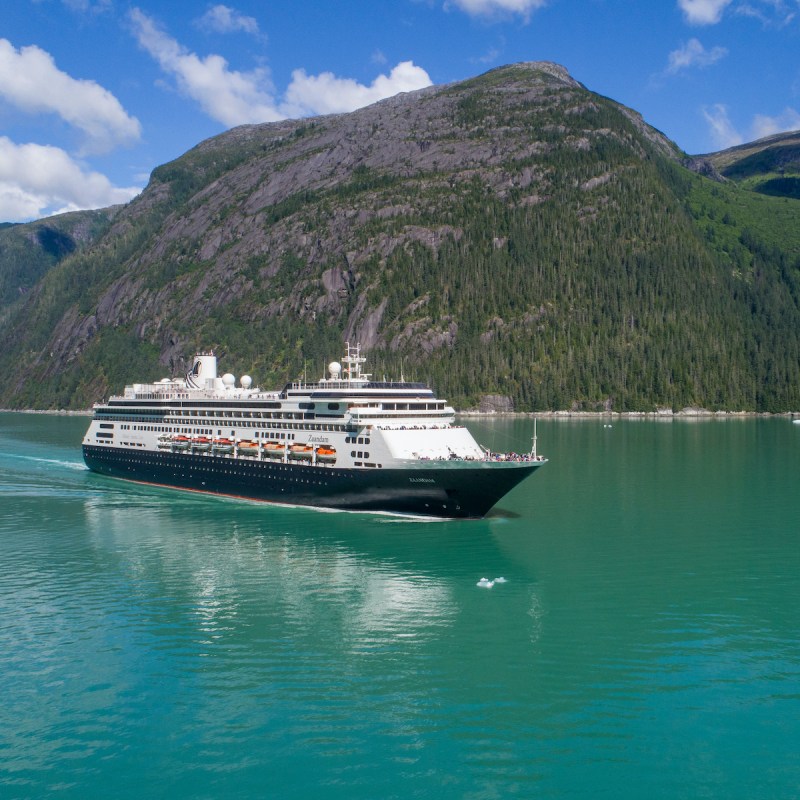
(333, 406)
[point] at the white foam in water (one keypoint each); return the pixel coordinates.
(69, 464)
(485, 583)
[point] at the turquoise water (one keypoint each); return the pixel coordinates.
(645, 643)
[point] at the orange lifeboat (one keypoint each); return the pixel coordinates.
(248, 448)
(326, 455)
(301, 452)
(273, 450)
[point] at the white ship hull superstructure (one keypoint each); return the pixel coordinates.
(344, 442)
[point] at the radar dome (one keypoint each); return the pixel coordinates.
(228, 380)
(246, 381)
(335, 369)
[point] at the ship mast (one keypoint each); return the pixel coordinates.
(352, 363)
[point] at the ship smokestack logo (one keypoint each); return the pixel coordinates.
(193, 373)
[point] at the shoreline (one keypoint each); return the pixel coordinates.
(685, 413)
(54, 412)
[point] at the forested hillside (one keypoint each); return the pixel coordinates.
(514, 234)
(28, 251)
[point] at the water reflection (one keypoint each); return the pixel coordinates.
(226, 576)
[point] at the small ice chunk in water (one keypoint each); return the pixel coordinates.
(500, 580)
(485, 583)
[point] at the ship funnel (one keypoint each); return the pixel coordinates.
(204, 369)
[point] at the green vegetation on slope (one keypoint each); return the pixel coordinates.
(28, 251)
(532, 242)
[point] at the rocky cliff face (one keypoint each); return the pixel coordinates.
(331, 198)
(458, 226)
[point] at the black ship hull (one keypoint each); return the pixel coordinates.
(449, 489)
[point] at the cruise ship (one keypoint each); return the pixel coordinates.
(344, 442)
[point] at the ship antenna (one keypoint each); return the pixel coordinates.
(533, 441)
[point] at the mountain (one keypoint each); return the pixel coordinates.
(514, 234)
(770, 166)
(28, 251)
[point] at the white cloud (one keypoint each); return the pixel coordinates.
(788, 120)
(693, 54)
(31, 82)
(226, 95)
(224, 19)
(327, 94)
(236, 98)
(87, 6)
(771, 13)
(493, 8)
(723, 134)
(703, 12)
(37, 180)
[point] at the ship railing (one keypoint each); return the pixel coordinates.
(492, 457)
(533, 457)
(437, 426)
(364, 411)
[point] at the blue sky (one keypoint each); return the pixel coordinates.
(96, 93)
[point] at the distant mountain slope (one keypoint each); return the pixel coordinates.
(769, 166)
(28, 251)
(513, 234)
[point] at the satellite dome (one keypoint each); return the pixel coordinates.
(335, 368)
(246, 381)
(228, 380)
